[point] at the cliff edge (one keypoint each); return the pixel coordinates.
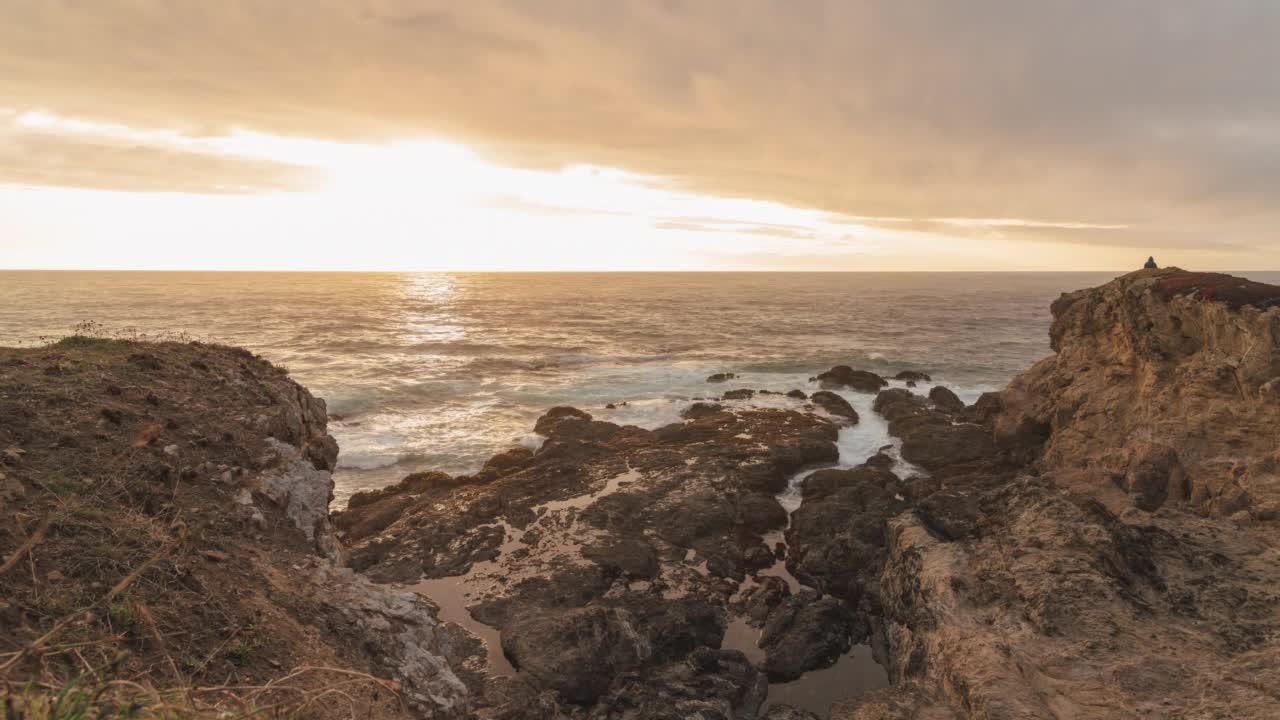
(166, 543)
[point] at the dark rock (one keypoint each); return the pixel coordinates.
(943, 399)
(556, 416)
(739, 394)
(805, 632)
(950, 514)
(845, 376)
(632, 557)
(701, 409)
(758, 600)
(797, 394)
(710, 684)
(720, 377)
(506, 462)
(934, 445)
(895, 402)
(786, 712)
(912, 376)
(835, 405)
(578, 651)
(986, 407)
(1153, 476)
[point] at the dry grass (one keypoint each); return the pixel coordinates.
(110, 605)
(304, 692)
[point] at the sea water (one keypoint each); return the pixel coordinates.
(440, 371)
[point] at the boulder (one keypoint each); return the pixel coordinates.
(805, 632)
(720, 377)
(842, 376)
(739, 394)
(912, 376)
(943, 399)
(835, 405)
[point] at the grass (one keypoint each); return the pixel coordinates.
(303, 693)
(77, 341)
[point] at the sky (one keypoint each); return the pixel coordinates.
(639, 134)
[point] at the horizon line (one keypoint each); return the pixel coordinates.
(572, 271)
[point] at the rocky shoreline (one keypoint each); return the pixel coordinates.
(1099, 539)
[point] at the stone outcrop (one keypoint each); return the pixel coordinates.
(843, 376)
(184, 493)
(1163, 384)
(1110, 552)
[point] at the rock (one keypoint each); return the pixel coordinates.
(945, 400)
(897, 402)
(835, 405)
(845, 376)
(1154, 476)
(913, 376)
(632, 557)
(721, 377)
(934, 445)
(797, 394)
(805, 632)
(740, 394)
(556, 417)
(719, 684)
(786, 712)
(837, 535)
(950, 514)
(303, 492)
(577, 651)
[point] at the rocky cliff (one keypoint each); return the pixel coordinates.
(1165, 384)
(165, 543)
(1113, 552)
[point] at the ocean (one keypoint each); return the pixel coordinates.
(440, 371)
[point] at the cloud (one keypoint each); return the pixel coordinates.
(49, 159)
(1066, 114)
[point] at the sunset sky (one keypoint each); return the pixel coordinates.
(639, 134)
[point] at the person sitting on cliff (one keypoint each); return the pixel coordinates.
(1151, 263)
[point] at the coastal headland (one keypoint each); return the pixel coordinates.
(1100, 539)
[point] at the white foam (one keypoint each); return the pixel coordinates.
(370, 460)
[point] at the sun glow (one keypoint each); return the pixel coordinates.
(430, 204)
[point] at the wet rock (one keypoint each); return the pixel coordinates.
(837, 535)
(506, 462)
(844, 376)
(835, 405)
(701, 409)
(739, 394)
(786, 712)
(721, 377)
(632, 557)
(760, 598)
(944, 399)
(913, 376)
(797, 394)
(555, 418)
(935, 445)
(710, 684)
(898, 402)
(578, 651)
(805, 632)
